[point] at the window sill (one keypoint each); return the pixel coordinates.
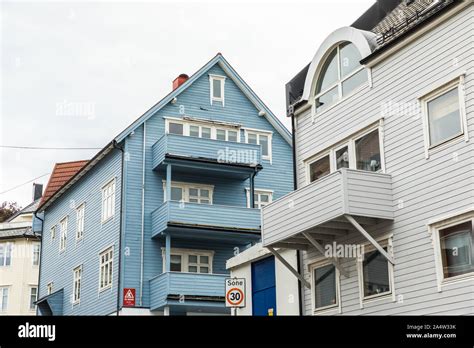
(456, 279)
(459, 138)
(105, 288)
(324, 310)
(378, 297)
(76, 303)
(107, 220)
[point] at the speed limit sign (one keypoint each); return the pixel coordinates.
(235, 292)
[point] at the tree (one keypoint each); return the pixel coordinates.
(8, 209)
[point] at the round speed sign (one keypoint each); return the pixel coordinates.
(235, 296)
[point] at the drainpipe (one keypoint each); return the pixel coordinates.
(142, 247)
(122, 192)
(41, 257)
(295, 186)
(252, 189)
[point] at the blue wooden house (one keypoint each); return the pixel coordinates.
(146, 226)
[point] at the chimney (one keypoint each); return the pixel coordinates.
(37, 191)
(182, 78)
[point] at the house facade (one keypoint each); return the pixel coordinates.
(19, 261)
(384, 124)
(146, 226)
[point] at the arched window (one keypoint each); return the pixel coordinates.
(340, 75)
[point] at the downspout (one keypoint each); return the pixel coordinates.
(142, 247)
(122, 191)
(41, 257)
(295, 187)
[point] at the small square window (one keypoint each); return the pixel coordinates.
(206, 132)
(232, 136)
(368, 152)
(175, 265)
(342, 158)
(175, 128)
(457, 252)
(194, 131)
(220, 134)
(252, 138)
(217, 88)
(319, 168)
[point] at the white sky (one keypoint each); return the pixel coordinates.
(114, 60)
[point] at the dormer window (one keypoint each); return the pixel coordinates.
(217, 88)
(340, 75)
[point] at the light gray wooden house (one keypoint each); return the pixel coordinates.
(383, 120)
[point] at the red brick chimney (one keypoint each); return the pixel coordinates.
(182, 78)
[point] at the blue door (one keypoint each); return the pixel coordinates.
(263, 287)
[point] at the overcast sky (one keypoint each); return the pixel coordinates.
(76, 74)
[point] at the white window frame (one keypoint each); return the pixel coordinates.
(384, 242)
(63, 225)
(49, 288)
(214, 126)
(259, 132)
(221, 99)
(104, 201)
(457, 83)
(76, 298)
(184, 253)
(110, 264)
(433, 229)
(350, 143)
(80, 221)
(4, 306)
(33, 252)
(30, 297)
(258, 192)
(185, 186)
(338, 305)
(7, 248)
(52, 232)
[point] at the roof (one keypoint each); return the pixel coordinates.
(16, 232)
(61, 174)
(391, 20)
(30, 208)
(50, 197)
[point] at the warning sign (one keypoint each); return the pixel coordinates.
(128, 297)
(235, 292)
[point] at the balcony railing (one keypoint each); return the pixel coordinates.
(174, 286)
(204, 216)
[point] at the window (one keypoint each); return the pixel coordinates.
(226, 135)
(6, 254)
(80, 221)
(200, 131)
(108, 200)
(361, 151)
(191, 193)
(444, 114)
(367, 150)
(262, 139)
(319, 168)
(3, 298)
(325, 288)
(375, 274)
(192, 261)
(49, 288)
(456, 247)
(36, 254)
(106, 268)
(175, 128)
(261, 197)
(340, 75)
(217, 88)
(52, 232)
(76, 293)
(33, 297)
(206, 129)
(63, 236)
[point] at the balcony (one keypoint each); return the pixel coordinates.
(187, 289)
(327, 208)
(191, 218)
(209, 154)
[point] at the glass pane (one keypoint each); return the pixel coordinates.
(192, 269)
(193, 200)
(444, 117)
(350, 58)
(457, 250)
(204, 259)
(376, 280)
(353, 82)
(206, 132)
(204, 270)
(176, 193)
(327, 99)
(204, 193)
(263, 198)
(205, 201)
(252, 138)
(368, 152)
(216, 88)
(319, 168)
(264, 144)
(176, 128)
(342, 158)
(192, 258)
(325, 286)
(232, 136)
(193, 191)
(220, 134)
(194, 131)
(175, 263)
(329, 73)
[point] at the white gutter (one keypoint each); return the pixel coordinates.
(143, 215)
